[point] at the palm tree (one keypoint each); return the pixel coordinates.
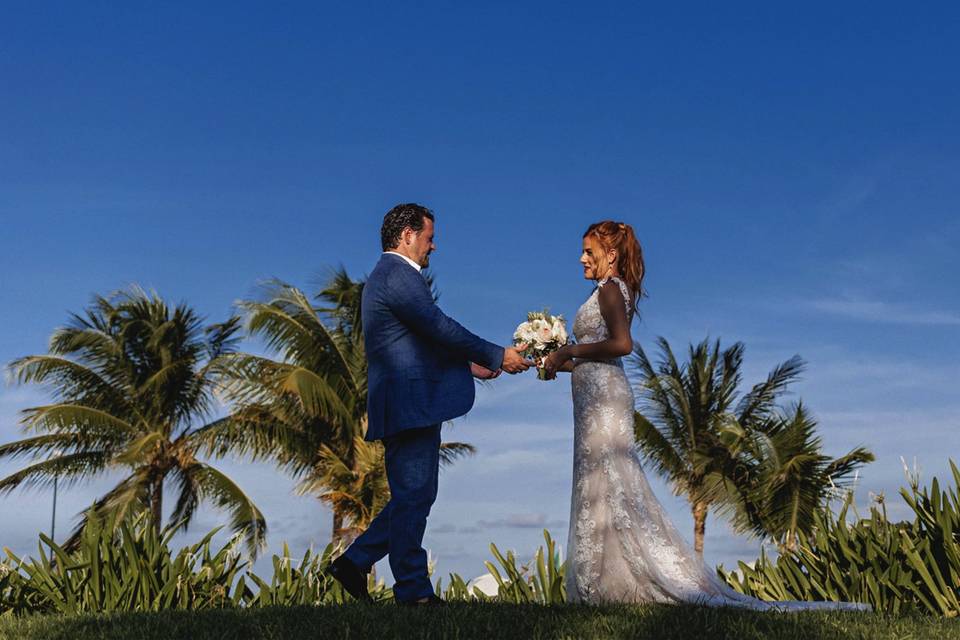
(132, 379)
(690, 431)
(306, 407)
(794, 479)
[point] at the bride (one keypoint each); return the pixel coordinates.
(621, 546)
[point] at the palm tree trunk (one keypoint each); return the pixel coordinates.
(156, 503)
(791, 537)
(337, 526)
(790, 542)
(348, 537)
(699, 525)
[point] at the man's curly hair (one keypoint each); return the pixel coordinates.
(401, 217)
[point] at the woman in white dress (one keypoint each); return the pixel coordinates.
(622, 547)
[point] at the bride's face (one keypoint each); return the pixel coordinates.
(596, 263)
(588, 260)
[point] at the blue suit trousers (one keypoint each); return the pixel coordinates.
(413, 465)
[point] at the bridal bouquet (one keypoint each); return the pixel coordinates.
(543, 334)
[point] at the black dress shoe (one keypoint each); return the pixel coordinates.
(431, 601)
(351, 577)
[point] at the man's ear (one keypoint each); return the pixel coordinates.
(405, 235)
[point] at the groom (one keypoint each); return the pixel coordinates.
(419, 366)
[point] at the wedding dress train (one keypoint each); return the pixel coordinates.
(622, 547)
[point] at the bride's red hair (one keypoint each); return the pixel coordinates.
(619, 236)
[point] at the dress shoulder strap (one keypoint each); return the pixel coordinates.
(624, 289)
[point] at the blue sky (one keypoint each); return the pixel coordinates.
(791, 172)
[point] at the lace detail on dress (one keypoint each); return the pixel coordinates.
(622, 547)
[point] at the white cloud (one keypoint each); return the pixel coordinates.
(881, 312)
(906, 432)
(853, 194)
(883, 373)
(522, 521)
(444, 528)
(517, 461)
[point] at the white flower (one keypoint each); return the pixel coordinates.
(525, 334)
(561, 333)
(542, 333)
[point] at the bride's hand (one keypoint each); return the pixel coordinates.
(555, 361)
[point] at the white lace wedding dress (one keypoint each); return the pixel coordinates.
(622, 547)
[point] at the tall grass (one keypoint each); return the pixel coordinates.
(895, 567)
(538, 582)
(130, 567)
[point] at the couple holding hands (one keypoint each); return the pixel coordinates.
(621, 546)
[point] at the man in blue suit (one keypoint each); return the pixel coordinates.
(420, 367)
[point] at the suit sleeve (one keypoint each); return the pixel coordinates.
(409, 298)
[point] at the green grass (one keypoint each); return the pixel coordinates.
(486, 621)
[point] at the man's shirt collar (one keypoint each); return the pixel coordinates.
(409, 261)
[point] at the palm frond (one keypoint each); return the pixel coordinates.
(658, 450)
(450, 452)
(70, 380)
(211, 484)
(655, 399)
(258, 433)
(141, 448)
(344, 295)
(222, 337)
(65, 418)
(124, 502)
(760, 400)
(316, 393)
(840, 468)
(38, 446)
(188, 496)
(729, 377)
(290, 325)
(68, 468)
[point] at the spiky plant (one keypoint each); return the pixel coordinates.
(133, 381)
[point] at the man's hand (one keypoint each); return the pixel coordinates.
(513, 361)
(482, 373)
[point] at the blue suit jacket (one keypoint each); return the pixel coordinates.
(418, 359)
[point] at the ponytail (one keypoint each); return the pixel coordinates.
(619, 237)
